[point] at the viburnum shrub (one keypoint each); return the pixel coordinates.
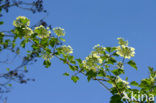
(103, 64)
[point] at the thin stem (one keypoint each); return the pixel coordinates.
(102, 84)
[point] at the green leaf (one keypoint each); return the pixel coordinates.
(146, 84)
(75, 79)
(134, 83)
(115, 54)
(1, 22)
(62, 39)
(7, 42)
(17, 51)
(116, 99)
(23, 43)
(117, 71)
(126, 78)
(47, 63)
(113, 49)
(152, 72)
(71, 59)
(91, 74)
(108, 49)
(25, 68)
(101, 73)
(64, 60)
(10, 85)
(150, 69)
(79, 61)
(66, 74)
(73, 68)
(53, 41)
(111, 60)
(8, 69)
(132, 64)
(44, 42)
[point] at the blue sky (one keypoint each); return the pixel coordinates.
(87, 23)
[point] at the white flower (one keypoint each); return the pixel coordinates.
(100, 61)
(96, 56)
(87, 58)
(84, 62)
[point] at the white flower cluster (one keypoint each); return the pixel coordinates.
(99, 49)
(46, 56)
(27, 31)
(42, 32)
(21, 21)
(59, 31)
(65, 49)
(123, 50)
(118, 80)
(94, 60)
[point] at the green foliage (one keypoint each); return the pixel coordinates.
(134, 83)
(116, 99)
(10, 85)
(1, 22)
(8, 69)
(91, 74)
(66, 74)
(117, 71)
(47, 63)
(75, 78)
(132, 64)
